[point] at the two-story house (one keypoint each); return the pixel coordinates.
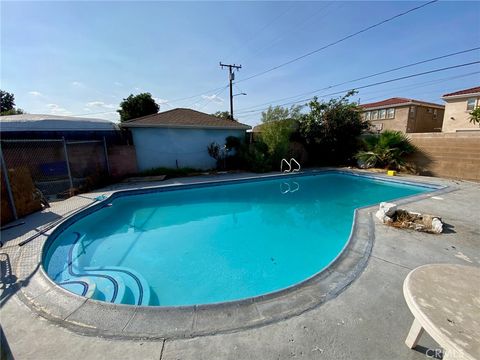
(405, 115)
(458, 106)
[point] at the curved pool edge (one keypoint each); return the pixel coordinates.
(96, 318)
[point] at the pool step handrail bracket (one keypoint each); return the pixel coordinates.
(289, 163)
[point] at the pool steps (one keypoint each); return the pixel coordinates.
(115, 284)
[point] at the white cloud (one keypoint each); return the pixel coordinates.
(100, 104)
(56, 109)
(214, 98)
(117, 83)
(35, 93)
(162, 102)
(112, 115)
(78, 84)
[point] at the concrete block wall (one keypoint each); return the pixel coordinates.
(122, 160)
(449, 155)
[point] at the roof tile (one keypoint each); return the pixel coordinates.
(464, 92)
(184, 118)
(395, 102)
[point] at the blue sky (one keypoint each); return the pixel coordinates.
(82, 58)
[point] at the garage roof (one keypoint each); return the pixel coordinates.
(184, 118)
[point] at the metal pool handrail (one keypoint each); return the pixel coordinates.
(289, 163)
(297, 163)
(289, 166)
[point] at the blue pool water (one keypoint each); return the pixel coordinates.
(212, 244)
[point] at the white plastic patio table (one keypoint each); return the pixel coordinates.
(445, 300)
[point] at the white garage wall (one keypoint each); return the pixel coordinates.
(164, 147)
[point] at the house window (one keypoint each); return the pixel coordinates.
(412, 111)
(382, 114)
(390, 113)
(434, 113)
(471, 103)
(429, 110)
(374, 115)
(367, 115)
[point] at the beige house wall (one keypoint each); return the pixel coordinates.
(420, 121)
(457, 116)
(426, 121)
(398, 123)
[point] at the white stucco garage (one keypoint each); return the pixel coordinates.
(179, 138)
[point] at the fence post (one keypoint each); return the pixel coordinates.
(106, 155)
(68, 162)
(7, 185)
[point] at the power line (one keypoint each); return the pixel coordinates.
(300, 57)
(250, 40)
(260, 30)
(430, 82)
(415, 86)
(409, 87)
(339, 40)
(409, 65)
(169, 101)
(198, 102)
(212, 98)
(296, 27)
(371, 85)
(197, 95)
(366, 77)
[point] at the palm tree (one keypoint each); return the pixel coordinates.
(387, 150)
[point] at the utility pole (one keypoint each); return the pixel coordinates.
(231, 69)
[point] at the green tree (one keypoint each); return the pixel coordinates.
(278, 125)
(7, 104)
(387, 150)
(135, 106)
(330, 131)
(7, 101)
(223, 115)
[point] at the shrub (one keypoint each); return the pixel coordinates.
(387, 150)
(331, 129)
(475, 116)
(233, 143)
(254, 157)
(214, 151)
(278, 125)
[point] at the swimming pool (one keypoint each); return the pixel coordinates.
(211, 243)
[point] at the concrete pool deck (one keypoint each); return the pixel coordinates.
(367, 320)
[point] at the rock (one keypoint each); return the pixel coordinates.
(389, 214)
(382, 217)
(388, 208)
(385, 211)
(437, 226)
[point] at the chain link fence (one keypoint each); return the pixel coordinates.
(36, 170)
